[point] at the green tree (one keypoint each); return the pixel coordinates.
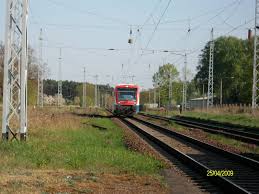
(232, 64)
(161, 80)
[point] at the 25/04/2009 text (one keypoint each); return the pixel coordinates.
(220, 173)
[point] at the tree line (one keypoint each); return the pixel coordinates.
(72, 91)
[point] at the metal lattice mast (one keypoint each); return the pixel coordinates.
(255, 90)
(59, 80)
(40, 73)
(14, 120)
(84, 91)
(184, 101)
(210, 80)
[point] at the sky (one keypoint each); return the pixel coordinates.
(94, 35)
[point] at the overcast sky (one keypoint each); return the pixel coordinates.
(86, 30)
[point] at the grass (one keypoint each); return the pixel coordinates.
(242, 147)
(66, 141)
(240, 119)
(234, 143)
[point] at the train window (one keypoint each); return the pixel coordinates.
(127, 94)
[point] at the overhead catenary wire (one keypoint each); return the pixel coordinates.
(225, 34)
(142, 50)
(231, 14)
(79, 10)
(208, 12)
(155, 29)
(140, 27)
(221, 11)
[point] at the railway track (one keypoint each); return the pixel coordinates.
(203, 158)
(238, 134)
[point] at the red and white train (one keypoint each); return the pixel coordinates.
(126, 99)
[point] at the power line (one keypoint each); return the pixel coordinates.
(78, 10)
(237, 27)
(222, 11)
(155, 29)
(227, 33)
(141, 27)
(148, 18)
(209, 12)
(117, 49)
(231, 14)
(151, 14)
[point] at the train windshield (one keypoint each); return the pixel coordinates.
(127, 94)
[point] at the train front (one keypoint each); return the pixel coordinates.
(126, 99)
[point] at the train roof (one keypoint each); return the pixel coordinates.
(126, 86)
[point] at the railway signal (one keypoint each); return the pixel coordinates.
(14, 120)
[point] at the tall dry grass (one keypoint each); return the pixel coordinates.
(52, 119)
(231, 109)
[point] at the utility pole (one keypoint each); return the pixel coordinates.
(154, 94)
(221, 92)
(95, 93)
(149, 96)
(210, 80)
(170, 90)
(155, 86)
(102, 100)
(84, 90)
(40, 73)
(98, 96)
(255, 90)
(149, 92)
(59, 80)
(203, 96)
(14, 119)
(184, 83)
(159, 98)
